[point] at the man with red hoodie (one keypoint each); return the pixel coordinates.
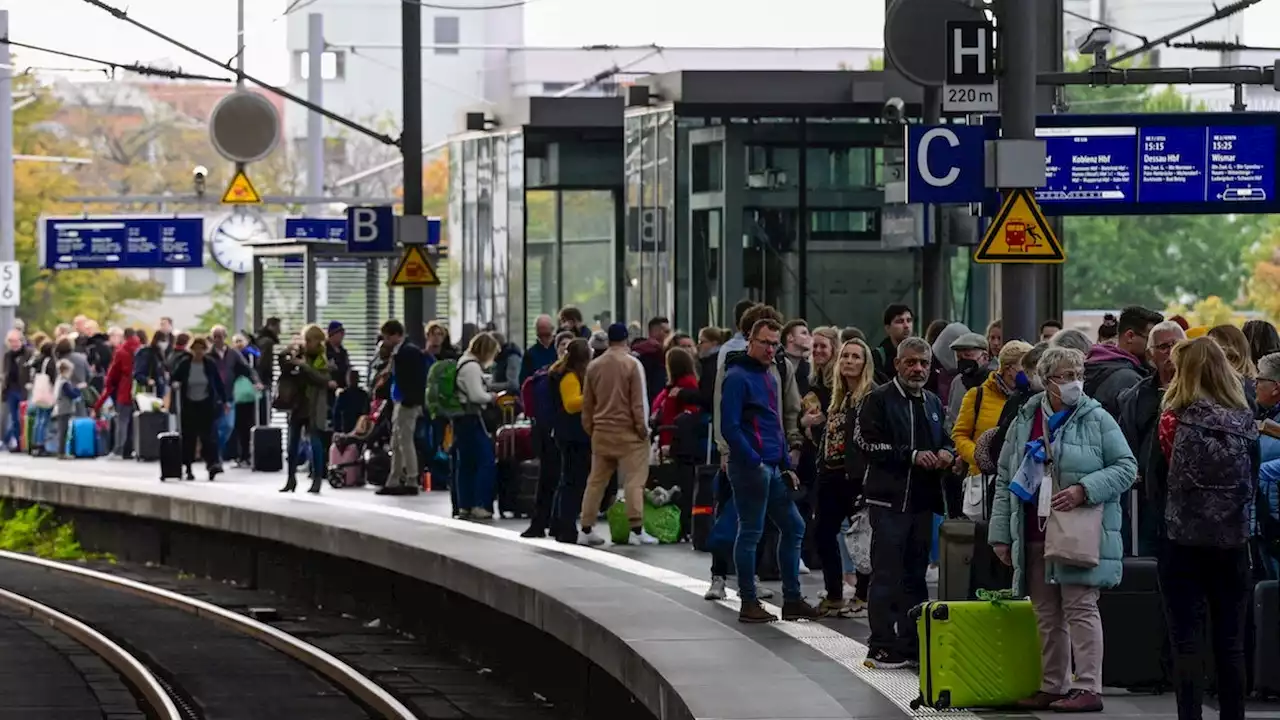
(649, 352)
(1111, 369)
(119, 386)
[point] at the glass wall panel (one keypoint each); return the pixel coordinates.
(519, 315)
(840, 168)
(772, 167)
(470, 241)
(484, 233)
(588, 228)
(541, 271)
(455, 244)
(501, 249)
(771, 262)
(650, 216)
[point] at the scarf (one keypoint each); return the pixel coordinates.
(1026, 482)
(319, 363)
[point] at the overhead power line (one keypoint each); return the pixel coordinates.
(464, 8)
(345, 122)
(137, 68)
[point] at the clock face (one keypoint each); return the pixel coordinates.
(229, 238)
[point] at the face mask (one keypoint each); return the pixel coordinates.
(1021, 381)
(1071, 392)
(968, 367)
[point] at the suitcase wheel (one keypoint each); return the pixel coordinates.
(944, 700)
(917, 703)
(336, 479)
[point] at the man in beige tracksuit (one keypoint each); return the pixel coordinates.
(615, 413)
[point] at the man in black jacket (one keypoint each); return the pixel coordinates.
(1110, 370)
(898, 322)
(409, 373)
(899, 429)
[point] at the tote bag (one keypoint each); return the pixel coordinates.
(1072, 538)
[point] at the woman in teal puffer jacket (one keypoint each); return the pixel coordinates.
(1094, 467)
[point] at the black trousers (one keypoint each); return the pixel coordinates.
(575, 467)
(544, 448)
(900, 545)
(1202, 585)
(722, 556)
(835, 496)
(246, 416)
(198, 425)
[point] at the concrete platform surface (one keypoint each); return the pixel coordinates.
(637, 612)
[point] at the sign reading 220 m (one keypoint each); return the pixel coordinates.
(1159, 164)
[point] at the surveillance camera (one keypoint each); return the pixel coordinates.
(894, 110)
(200, 172)
(1098, 40)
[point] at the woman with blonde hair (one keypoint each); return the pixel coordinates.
(471, 441)
(304, 387)
(1236, 346)
(840, 472)
(1209, 441)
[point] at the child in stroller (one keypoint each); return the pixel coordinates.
(361, 456)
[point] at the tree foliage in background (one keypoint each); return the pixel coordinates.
(1263, 263)
(1209, 312)
(50, 297)
(1151, 260)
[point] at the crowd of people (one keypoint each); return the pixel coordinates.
(1069, 452)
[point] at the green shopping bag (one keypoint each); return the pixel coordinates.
(662, 522)
(619, 525)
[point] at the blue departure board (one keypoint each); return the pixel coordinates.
(1158, 163)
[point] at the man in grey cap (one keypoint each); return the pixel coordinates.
(1269, 387)
(971, 364)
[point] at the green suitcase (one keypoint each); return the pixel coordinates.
(977, 654)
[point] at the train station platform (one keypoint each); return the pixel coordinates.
(636, 613)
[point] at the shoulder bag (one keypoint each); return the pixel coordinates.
(1072, 538)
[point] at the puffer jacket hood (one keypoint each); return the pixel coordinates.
(942, 351)
(1111, 354)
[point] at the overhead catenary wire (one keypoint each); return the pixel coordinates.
(133, 67)
(329, 114)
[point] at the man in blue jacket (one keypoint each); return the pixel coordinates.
(760, 473)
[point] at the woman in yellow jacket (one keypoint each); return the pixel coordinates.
(565, 377)
(980, 412)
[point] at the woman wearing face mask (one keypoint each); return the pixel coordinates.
(1089, 464)
(149, 370)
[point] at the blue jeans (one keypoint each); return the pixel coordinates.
(899, 559)
(224, 425)
(476, 463)
(40, 433)
(761, 492)
(13, 417)
(301, 434)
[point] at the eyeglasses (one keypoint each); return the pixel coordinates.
(1165, 347)
(1066, 377)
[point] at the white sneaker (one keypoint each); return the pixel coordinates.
(804, 569)
(481, 514)
(641, 538)
(590, 538)
(762, 592)
(931, 575)
(716, 591)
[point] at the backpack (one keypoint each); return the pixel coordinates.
(535, 397)
(443, 398)
(1211, 480)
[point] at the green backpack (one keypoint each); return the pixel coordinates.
(442, 389)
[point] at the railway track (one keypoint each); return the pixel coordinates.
(186, 659)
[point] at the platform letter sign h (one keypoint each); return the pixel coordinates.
(970, 80)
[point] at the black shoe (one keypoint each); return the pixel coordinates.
(214, 472)
(799, 610)
(191, 476)
(397, 490)
(534, 532)
(884, 660)
(753, 612)
(315, 486)
(290, 485)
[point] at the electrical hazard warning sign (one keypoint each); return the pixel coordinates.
(240, 191)
(1020, 234)
(414, 270)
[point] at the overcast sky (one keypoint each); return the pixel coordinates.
(209, 25)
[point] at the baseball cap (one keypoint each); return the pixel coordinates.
(335, 327)
(618, 333)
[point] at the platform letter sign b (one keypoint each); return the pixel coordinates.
(364, 225)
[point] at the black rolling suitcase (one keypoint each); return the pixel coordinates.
(1266, 648)
(1135, 639)
(147, 429)
(703, 512)
(169, 444)
(266, 445)
(528, 473)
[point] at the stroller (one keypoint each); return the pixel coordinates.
(361, 456)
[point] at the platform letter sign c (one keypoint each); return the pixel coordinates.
(922, 157)
(364, 226)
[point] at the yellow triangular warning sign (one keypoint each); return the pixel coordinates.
(1020, 234)
(241, 191)
(414, 270)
